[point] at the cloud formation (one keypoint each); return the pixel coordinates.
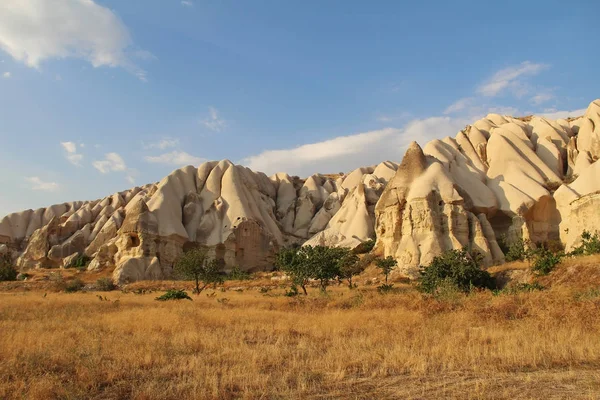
(214, 122)
(6, 75)
(36, 183)
(177, 158)
(345, 153)
(72, 155)
(112, 162)
(32, 31)
(162, 144)
(459, 105)
(508, 78)
(558, 114)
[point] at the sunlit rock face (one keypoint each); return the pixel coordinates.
(501, 177)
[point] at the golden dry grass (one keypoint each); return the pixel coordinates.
(346, 345)
(349, 344)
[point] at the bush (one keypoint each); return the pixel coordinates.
(590, 244)
(385, 288)
(7, 271)
(80, 262)
(237, 274)
(364, 247)
(74, 286)
(515, 250)
(543, 260)
(456, 267)
(520, 288)
(174, 294)
(105, 285)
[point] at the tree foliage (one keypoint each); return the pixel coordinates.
(7, 270)
(386, 265)
(194, 265)
(321, 263)
(456, 267)
(590, 244)
(349, 266)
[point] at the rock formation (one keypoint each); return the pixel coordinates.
(501, 177)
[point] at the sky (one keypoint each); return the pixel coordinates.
(97, 96)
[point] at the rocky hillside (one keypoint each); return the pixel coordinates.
(501, 177)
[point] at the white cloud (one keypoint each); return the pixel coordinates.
(178, 158)
(6, 75)
(557, 114)
(214, 122)
(396, 117)
(33, 31)
(163, 144)
(187, 3)
(508, 78)
(38, 184)
(112, 162)
(72, 155)
(346, 153)
(511, 111)
(459, 105)
(541, 98)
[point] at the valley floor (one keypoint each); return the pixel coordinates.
(250, 343)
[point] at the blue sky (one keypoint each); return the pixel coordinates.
(99, 96)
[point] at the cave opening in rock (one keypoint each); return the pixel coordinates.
(135, 240)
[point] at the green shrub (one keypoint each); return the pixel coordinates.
(590, 244)
(7, 270)
(105, 285)
(80, 262)
(543, 261)
(520, 288)
(456, 267)
(385, 288)
(74, 286)
(174, 294)
(364, 247)
(515, 250)
(237, 274)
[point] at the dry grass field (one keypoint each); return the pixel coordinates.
(253, 344)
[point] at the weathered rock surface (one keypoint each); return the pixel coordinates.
(501, 177)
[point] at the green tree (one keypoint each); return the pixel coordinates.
(386, 265)
(292, 262)
(349, 266)
(194, 265)
(323, 262)
(311, 262)
(7, 270)
(455, 267)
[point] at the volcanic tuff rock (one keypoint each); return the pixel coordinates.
(530, 178)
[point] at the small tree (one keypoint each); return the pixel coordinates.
(194, 265)
(292, 262)
(323, 263)
(349, 266)
(308, 262)
(7, 270)
(386, 265)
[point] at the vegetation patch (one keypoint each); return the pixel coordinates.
(455, 267)
(7, 270)
(174, 294)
